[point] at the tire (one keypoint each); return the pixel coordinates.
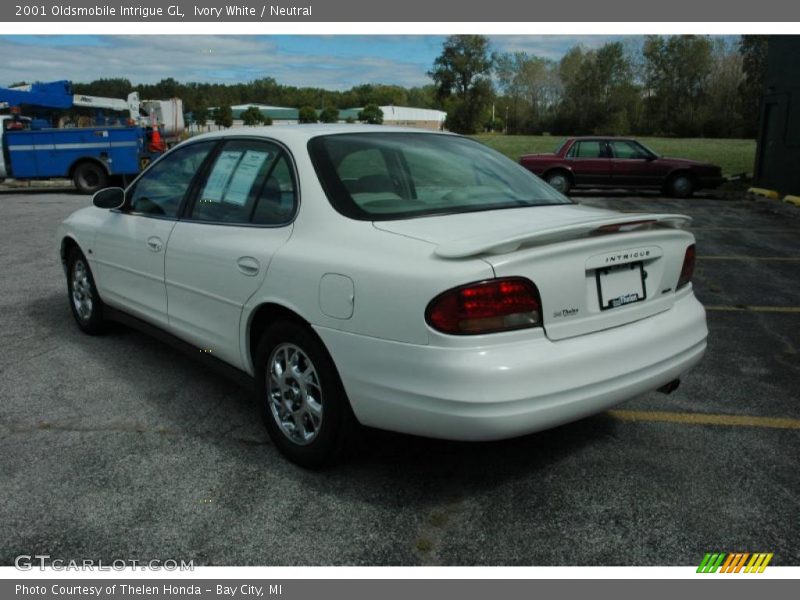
(681, 186)
(308, 418)
(89, 177)
(560, 181)
(85, 302)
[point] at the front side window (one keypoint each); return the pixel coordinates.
(625, 149)
(249, 181)
(12, 124)
(160, 190)
(380, 176)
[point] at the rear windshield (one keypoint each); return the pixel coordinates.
(382, 176)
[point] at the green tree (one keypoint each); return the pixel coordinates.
(329, 114)
(531, 89)
(617, 93)
(753, 50)
(462, 75)
(307, 114)
(223, 116)
(200, 115)
(677, 72)
(721, 113)
(115, 87)
(252, 116)
(496, 124)
(599, 94)
(371, 114)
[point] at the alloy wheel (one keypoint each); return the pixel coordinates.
(294, 394)
(82, 297)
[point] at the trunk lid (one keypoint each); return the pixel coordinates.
(594, 268)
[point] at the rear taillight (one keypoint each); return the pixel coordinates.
(486, 307)
(687, 270)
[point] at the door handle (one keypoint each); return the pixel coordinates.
(248, 265)
(155, 244)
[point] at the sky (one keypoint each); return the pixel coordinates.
(335, 62)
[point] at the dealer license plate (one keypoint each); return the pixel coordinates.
(620, 285)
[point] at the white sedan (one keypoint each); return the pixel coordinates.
(410, 281)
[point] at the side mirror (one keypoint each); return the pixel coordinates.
(113, 197)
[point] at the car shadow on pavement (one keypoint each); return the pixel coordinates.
(418, 461)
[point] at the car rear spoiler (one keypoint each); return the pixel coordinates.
(504, 242)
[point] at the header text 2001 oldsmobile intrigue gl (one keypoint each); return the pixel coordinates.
(416, 282)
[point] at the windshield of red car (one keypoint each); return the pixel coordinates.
(649, 149)
(382, 176)
(560, 146)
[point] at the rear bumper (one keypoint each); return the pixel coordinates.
(495, 392)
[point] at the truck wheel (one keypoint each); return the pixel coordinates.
(89, 178)
(560, 181)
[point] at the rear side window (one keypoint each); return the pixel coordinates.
(278, 199)
(589, 149)
(249, 181)
(161, 189)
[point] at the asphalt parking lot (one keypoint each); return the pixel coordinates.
(117, 447)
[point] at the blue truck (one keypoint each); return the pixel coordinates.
(89, 156)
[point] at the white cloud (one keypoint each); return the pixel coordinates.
(221, 59)
(548, 46)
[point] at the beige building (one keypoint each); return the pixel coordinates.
(403, 116)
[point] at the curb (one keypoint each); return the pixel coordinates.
(763, 193)
(792, 200)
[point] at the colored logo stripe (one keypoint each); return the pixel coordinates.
(734, 562)
(711, 562)
(758, 563)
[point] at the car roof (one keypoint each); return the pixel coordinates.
(601, 137)
(299, 134)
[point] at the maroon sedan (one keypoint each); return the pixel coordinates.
(597, 162)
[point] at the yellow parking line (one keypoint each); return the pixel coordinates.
(704, 419)
(734, 257)
(748, 308)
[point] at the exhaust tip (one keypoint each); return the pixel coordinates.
(670, 387)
